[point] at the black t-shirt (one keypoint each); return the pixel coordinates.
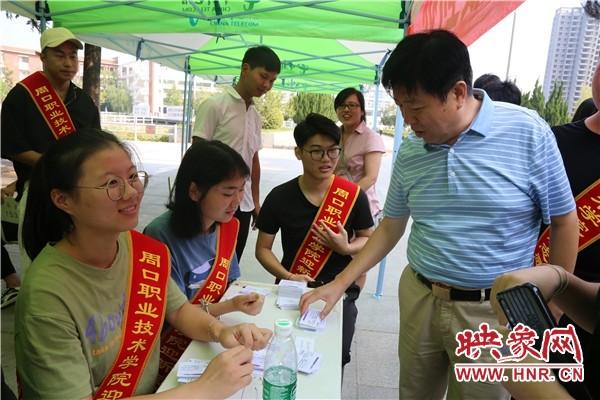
(287, 209)
(24, 127)
(580, 150)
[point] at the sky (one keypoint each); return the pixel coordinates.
(489, 54)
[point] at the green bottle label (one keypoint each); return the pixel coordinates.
(279, 383)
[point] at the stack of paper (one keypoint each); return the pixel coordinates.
(289, 294)
(311, 321)
(191, 370)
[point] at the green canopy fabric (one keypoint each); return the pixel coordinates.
(324, 45)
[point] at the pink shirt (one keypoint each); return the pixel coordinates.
(351, 164)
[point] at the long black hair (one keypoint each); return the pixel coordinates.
(59, 168)
(207, 163)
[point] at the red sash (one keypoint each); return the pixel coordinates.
(144, 313)
(337, 204)
(173, 343)
(49, 104)
(588, 213)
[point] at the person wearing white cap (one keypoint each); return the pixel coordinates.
(44, 107)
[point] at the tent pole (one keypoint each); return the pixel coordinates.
(399, 128)
(379, 290)
(41, 12)
(184, 125)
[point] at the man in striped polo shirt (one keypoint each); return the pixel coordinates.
(477, 177)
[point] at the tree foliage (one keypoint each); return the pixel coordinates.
(114, 94)
(173, 97)
(6, 83)
(388, 117)
(269, 107)
(305, 103)
(555, 111)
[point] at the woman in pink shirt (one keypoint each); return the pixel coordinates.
(361, 147)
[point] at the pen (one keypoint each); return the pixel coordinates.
(314, 362)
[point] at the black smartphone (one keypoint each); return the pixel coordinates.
(525, 304)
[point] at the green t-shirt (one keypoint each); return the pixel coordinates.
(68, 325)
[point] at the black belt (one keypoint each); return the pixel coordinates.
(454, 294)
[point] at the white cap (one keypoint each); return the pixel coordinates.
(54, 37)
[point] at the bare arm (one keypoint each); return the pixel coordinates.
(371, 169)
(577, 301)
(255, 183)
(383, 240)
(564, 240)
(29, 157)
(264, 255)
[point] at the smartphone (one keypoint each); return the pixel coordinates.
(525, 304)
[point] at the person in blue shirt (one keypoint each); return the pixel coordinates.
(208, 189)
(477, 178)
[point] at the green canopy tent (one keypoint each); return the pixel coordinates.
(324, 45)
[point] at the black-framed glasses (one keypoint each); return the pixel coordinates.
(350, 106)
(115, 187)
(318, 154)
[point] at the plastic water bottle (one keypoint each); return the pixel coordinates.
(281, 364)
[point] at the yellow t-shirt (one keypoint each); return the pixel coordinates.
(68, 325)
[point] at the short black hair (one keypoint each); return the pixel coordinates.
(316, 124)
(485, 79)
(345, 93)
(585, 109)
(206, 163)
(262, 56)
(505, 91)
(432, 61)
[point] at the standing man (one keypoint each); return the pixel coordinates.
(231, 117)
(579, 145)
(477, 178)
(44, 107)
(324, 219)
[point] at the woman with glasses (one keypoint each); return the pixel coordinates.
(89, 314)
(361, 147)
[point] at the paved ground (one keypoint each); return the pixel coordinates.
(373, 371)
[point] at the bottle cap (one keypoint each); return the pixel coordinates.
(283, 327)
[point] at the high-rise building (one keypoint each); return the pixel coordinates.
(573, 54)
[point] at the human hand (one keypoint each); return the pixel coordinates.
(227, 373)
(337, 241)
(250, 304)
(255, 213)
(299, 278)
(248, 335)
(329, 293)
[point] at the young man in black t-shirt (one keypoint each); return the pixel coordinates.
(293, 206)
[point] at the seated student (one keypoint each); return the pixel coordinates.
(323, 219)
(580, 301)
(89, 314)
(199, 224)
(209, 185)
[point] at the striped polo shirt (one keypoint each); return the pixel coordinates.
(477, 205)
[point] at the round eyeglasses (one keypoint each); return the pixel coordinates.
(115, 187)
(318, 154)
(350, 106)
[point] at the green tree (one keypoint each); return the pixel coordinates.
(535, 99)
(6, 83)
(388, 117)
(305, 103)
(114, 95)
(556, 111)
(173, 97)
(269, 108)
